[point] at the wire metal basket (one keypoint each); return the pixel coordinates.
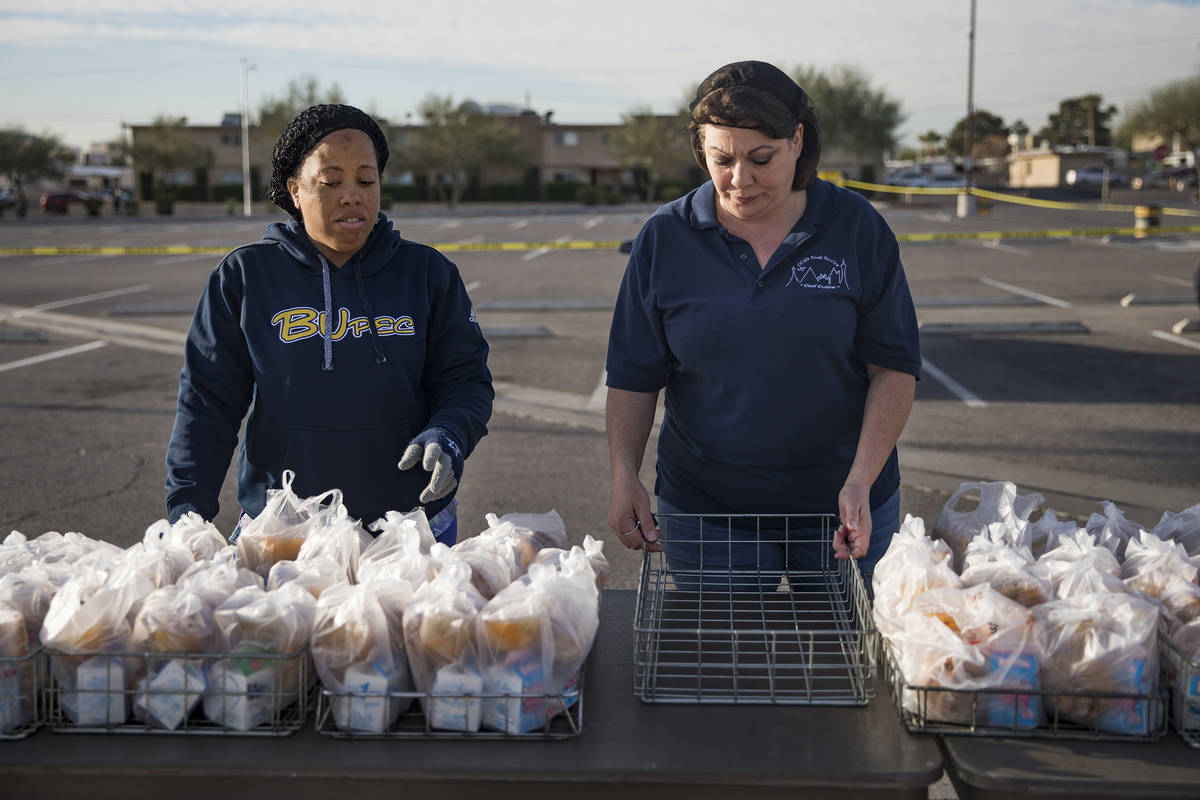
(477, 715)
(1183, 676)
(761, 614)
(246, 694)
(21, 680)
(1026, 712)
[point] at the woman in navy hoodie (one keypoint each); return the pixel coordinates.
(355, 352)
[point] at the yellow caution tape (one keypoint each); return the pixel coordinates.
(1065, 233)
(1002, 197)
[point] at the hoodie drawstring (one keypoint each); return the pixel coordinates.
(380, 358)
(362, 296)
(327, 366)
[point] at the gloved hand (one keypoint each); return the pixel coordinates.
(438, 454)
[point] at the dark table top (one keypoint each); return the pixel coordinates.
(661, 750)
(1010, 768)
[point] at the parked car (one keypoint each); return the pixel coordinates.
(944, 182)
(1094, 177)
(1178, 178)
(60, 202)
(8, 197)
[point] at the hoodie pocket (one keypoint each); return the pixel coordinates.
(361, 462)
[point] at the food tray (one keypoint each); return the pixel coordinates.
(1028, 714)
(369, 712)
(716, 634)
(242, 694)
(21, 681)
(1183, 676)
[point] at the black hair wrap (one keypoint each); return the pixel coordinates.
(301, 137)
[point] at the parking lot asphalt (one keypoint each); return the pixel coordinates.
(1035, 371)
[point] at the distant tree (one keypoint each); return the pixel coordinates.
(987, 127)
(930, 140)
(650, 145)
(275, 112)
(1170, 110)
(1080, 121)
(164, 151)
(455, 143)
(855, 116)
(26, 158)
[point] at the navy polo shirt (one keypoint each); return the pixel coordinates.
(764, 369)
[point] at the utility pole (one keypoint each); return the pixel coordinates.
(245, 139)
(966, 200)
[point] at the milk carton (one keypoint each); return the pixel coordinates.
(241, 693)
(364, 704)
(99, 696)
(456, 712)
(523, 681)
(168, 697)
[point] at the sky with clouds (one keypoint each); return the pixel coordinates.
(80, 68)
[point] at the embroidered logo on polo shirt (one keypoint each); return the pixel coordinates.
(819, 272)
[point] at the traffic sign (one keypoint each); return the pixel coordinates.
(1161, 152)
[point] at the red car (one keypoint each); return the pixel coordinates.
(60, 202)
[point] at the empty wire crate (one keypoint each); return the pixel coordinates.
(760, 613)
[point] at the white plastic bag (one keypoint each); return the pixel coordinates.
(913, 564)
(1183, 527)
(353, 649)
(278, 533)
(998, 502)
(1111, 529)
(314, 574)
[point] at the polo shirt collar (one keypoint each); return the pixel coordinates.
(822, 205)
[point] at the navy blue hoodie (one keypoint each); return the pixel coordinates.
(341, 415)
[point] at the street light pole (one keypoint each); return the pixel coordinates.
(245, 139)
(966, 201)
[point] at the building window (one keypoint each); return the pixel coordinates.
(566, 138)
(231, 140)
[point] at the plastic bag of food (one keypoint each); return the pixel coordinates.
(278, 533)
(913, 564)
(1009, 569)
(176, 621)
(400, 551)
(1163, 571)
(1081, 578)
(1045, 533)
(91, 614)
(490, 572)
(17, 686)
(966, 640)
(392, 529)
(999, 502)
(266, 632)
(516, 653)
(548, 529)
(338, 538)
(353, 650)
(1183, 528)
(29, 592)
(592, 548)
(191, 532)
(524, 542)
(440, 642)
(314, 574)
(1111, 529)
(1076, 557)
(16, 553)
(1100, 645)
(217, 579)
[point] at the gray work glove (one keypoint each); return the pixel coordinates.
(439, 454)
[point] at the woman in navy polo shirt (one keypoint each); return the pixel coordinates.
(773, 308)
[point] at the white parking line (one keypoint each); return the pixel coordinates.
(70, 351)
(994, 244)
(1170, 337)
(588, 224)
(957, 389)
(470, 240)
(450, 223)
(1173, 280)
(532, 254)
(521, 223)
(600, 394)
(87, 298)
(1042, 298)
(473, 285)
(49, 262)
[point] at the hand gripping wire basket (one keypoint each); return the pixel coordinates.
(244, 693)
(761, 613)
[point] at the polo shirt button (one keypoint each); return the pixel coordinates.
(760, 283)
(744, 256)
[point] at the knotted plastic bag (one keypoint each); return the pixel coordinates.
(913, 564)
(278, 533)
(999, 502)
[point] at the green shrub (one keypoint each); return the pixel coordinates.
(588, 195)
(502, 193)
(391, 193)
(560, 191)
